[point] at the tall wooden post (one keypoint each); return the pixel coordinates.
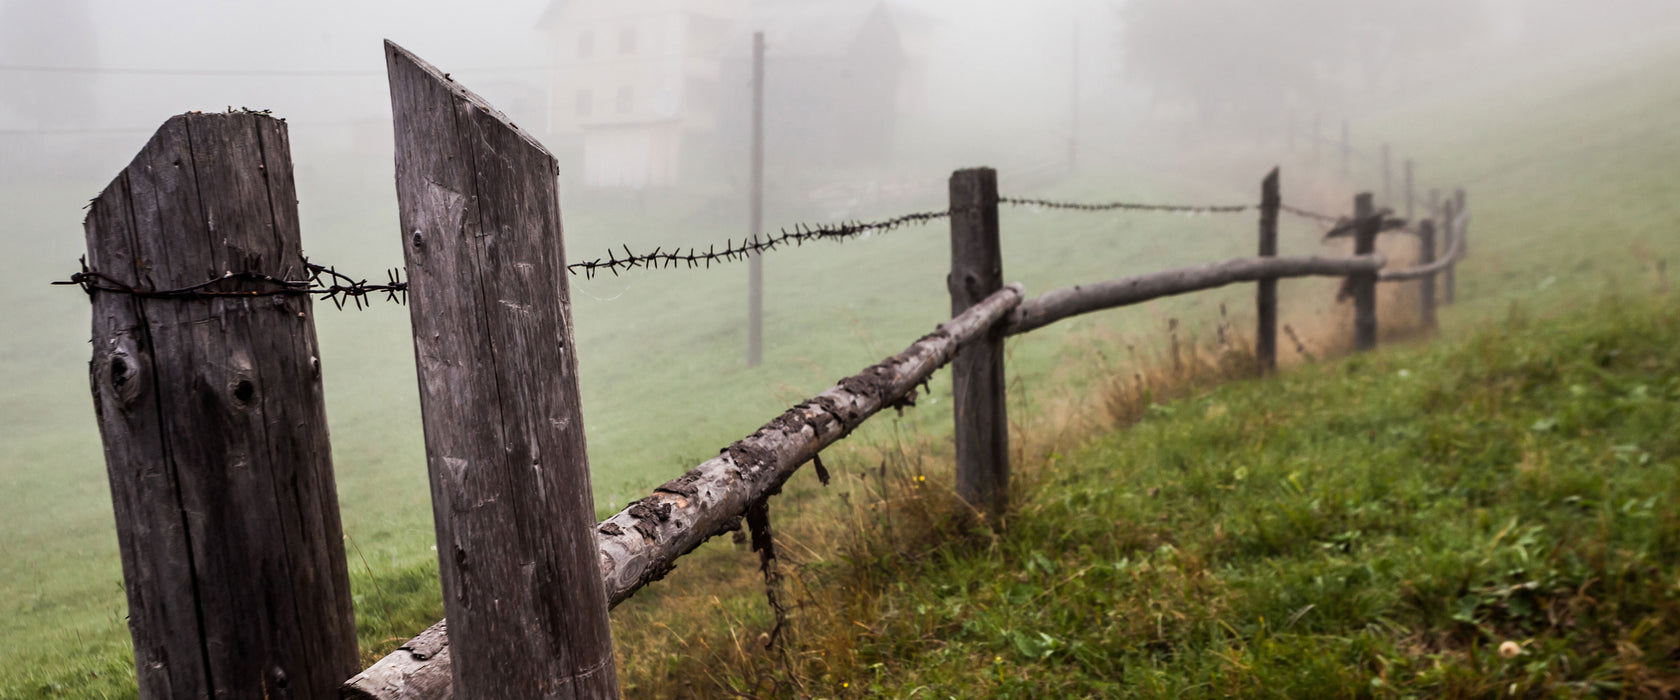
(1265, 335)
(982, 425)
(1073, 108)
(210, 407)
(491, 309)
(1426, 293)
(1347, 150)
(755, 218)
(1365, 283)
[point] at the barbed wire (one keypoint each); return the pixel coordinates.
(732, 250)
(1130, 206)
(341, 289)
(323, 281)
(1308, 214)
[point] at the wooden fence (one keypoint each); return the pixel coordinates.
(209, 402)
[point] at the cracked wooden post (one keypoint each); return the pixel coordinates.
(1265, 335)
(982, 426)
(213, 423)
(1365, 283)
(490, 305)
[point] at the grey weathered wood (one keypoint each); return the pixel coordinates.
(1365, 283)
(642, 543)
(1461, 205)
(755, 225)
(1439, 263)
(212, 418)
(419, 670)
(490, 305)
(1081, 299)
(982, 425)
(1265, 335)
(1426, 290)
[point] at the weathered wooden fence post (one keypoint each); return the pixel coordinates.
(511, 500)
(1426, 255)
(1265, 336)
(1365, 283)
(1449, 240)
(982, 424)
(210, 407)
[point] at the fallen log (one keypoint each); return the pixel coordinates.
(641, 543)
(1079, 299)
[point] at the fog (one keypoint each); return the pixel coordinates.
(645, 104)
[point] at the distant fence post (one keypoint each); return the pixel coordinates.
(1426, 293)
(1265, 336)
(1462, 205)
(215, 434)
(1387, 178)
(1411, 197)
(1347, 150)
(1365, 283)
(491, 310)
(982, 425)
(1449, 239)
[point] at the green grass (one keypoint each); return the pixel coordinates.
(1376, 527)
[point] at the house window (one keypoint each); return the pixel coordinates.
(585, 103)
(627, 40)
(586, 45)
(625, 100)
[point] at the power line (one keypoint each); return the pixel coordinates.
(240, 73)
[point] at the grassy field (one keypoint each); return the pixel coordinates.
(1570, 178)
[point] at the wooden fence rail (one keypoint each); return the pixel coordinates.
(210, 405)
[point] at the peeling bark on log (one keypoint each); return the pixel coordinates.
(641, 544)
(1072, 301)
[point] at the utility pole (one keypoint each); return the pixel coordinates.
(1073, 111)
(755, 264)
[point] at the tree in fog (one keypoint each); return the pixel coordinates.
(47, 33)
(1235, 56)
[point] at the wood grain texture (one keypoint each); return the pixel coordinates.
(1068, 302)
(977, 378)
(1449, 233)
(211, 414)
(511, 499)
(1265, 297)
(641, 544)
